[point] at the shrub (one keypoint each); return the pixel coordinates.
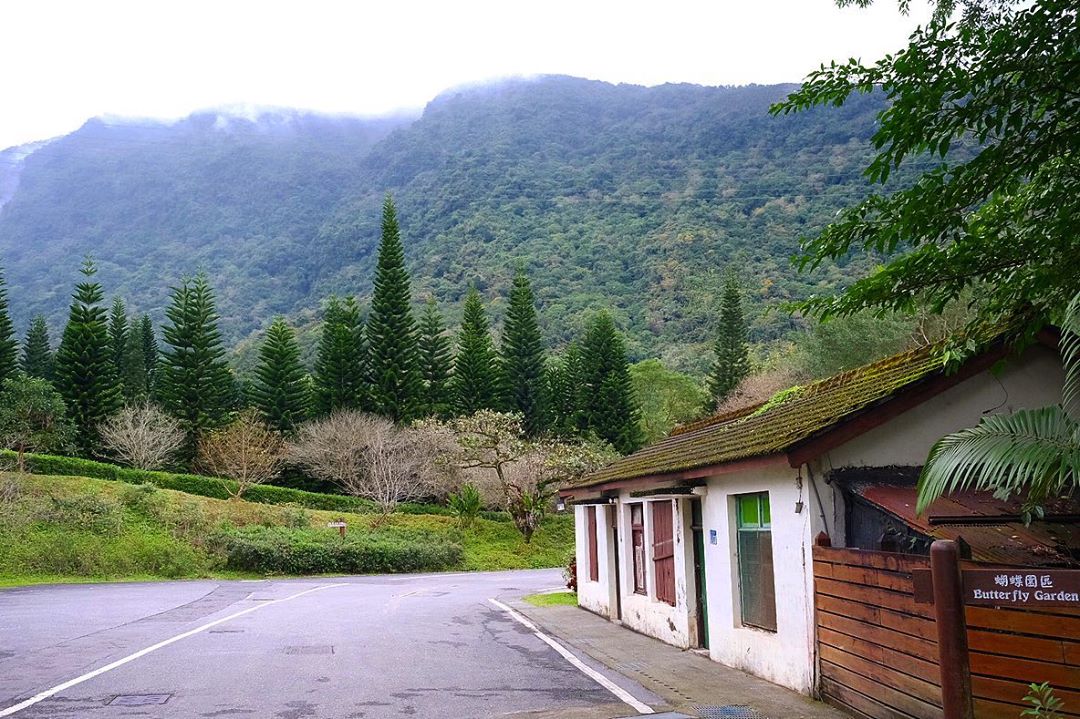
(466, 504)
(297, 551)
(90, 512)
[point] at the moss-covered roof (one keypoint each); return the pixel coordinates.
(776, 425)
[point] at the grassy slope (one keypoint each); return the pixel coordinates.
(78, 529)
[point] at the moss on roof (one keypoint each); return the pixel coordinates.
(776, 425)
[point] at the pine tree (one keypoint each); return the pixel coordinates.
(731, 362)
(37, 358)
(522, 350)
(9, 343)
(435, 363)
(612, 412)
(281, 392)
(564, 387)
(477, 380)
(394, 366)
(151, 355)
(340, 366)
(194, 382)
(85, 374)
(118, 334)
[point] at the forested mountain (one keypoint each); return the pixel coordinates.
(620, 196)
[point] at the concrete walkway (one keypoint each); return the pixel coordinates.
(684, 679)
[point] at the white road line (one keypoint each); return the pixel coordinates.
(143, 652)
(623, 695)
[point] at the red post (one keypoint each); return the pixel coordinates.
(951, 623)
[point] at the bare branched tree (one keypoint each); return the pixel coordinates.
(246, 451)
(369, 457)
(142, 436)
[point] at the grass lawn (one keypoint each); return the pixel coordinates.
(68, 529)
(552, 599)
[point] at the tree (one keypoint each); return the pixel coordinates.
(151, 355)
(142, 436)
(612, 412)
(1003, 216)
(476, 379)
(194, 382)
(435, 363)
(37, 359)
(137, 370)
(118, 335)
(564, 381)
(1034, 453)
(245, 451)
(340, 365)
(9, 344)
(522, 351)
(667, 398)
(391, 330)
(281, 384)
(731, 359)
(85, 374)
(368, 456)
(33, 418)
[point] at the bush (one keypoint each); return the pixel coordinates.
(296, 551)
(219, 488)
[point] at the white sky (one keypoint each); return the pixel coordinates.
(62, 62)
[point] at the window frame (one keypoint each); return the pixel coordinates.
(638, 561)
(757, 533)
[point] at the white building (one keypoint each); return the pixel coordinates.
(704, 538)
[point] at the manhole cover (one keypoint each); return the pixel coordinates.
(139, 700)
(730, 711)
(315, 649)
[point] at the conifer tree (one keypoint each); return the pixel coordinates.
(435, 363)
(151, 355)
(194, 382)
(522, 350)
(37, 357)
(731, 363)
(476, 382)
(612, 412)
(340, 365)
(281, 392)
(118, 335)
(564, 383)
(85, 374)
(394, 366)
(9, 343)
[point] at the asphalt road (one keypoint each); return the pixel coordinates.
(372, 647)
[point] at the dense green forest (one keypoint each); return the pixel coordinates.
(623, 197)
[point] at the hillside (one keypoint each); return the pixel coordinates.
(73, 528)
(610, 195)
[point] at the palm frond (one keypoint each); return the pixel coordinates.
(1036, 452)
(1070, 357)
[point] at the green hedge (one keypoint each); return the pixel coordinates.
(276, 550)
(217, 488)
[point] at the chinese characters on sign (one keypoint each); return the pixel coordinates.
(1022, 588)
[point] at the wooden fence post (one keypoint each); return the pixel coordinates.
(953, 661)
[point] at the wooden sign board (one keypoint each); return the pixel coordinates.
(1009, 587)
(336, 524)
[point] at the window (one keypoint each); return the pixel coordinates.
(663, 516)
(594, 564)
(757, 592)
(637, 535)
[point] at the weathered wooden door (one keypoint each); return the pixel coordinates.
(664, 550)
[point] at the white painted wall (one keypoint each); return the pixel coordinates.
(1033, 380)
(598, 596)
(645, 613)
(786, 656)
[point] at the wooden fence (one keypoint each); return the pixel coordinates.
(877, 648)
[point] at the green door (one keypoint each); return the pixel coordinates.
(698, 529)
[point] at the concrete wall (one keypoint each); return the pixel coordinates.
(786, 656)
(1034, 380)
(598, 596)
(644, 612)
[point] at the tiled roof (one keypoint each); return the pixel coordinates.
(776, 425)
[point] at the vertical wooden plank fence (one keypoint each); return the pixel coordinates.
(878, 653)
